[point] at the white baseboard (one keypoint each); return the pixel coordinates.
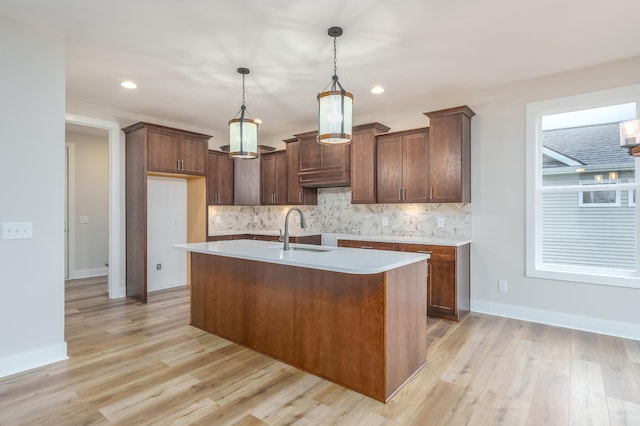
(88, 273)
(35, 358)
(594, 325)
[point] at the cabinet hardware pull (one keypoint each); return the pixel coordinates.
(430, 192)
(177, 164)
(424, 251)
(404, 194)
(400, 194)
(366, 247)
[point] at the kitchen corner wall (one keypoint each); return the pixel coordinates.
(335, 214)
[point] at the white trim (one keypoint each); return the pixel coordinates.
(575, 322)
(88, 273)
(116, 277)
(535, 111)
(71, 204)
(34, 358)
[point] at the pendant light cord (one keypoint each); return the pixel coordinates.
(335, 61)
(243, 90)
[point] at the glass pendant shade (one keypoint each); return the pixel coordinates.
(334, 117)
(243, 138)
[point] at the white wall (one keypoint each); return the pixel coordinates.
(166, 226)
(32, 92)
(91, 200)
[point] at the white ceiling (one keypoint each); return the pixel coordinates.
(184, 54)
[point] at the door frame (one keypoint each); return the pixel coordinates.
(70, 233)
(116, 277)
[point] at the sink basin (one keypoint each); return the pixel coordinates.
(317, 250)
(309, 249)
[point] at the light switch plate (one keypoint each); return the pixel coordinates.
(440, 222)
(17, 231)
(84, 219)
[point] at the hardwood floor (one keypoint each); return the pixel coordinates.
(140, 364)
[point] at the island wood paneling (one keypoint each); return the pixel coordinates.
(365, 332)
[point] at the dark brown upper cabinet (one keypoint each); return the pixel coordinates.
(219, 179)
(363, 162)
(273, 178)
(296, 193)
(402, 161)
(171, 150)
(323, 165)
(450, 155)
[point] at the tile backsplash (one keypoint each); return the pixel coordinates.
(335, 213)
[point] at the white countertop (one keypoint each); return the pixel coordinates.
(336, 259)
(269, 232)
(331, 238)
(433, 241)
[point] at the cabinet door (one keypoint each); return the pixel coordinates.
(273, 178)
(267, 179)
(310, 156)
(163, 151)
(445, 159)
(280, 178)
(415, 152)
(441, 297)
(389, 169)
(297, 194)
(246, 181)
(193, 154)
(363, 168)
(219, 179)
(441, 280)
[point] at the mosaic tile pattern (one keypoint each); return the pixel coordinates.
(335, 213)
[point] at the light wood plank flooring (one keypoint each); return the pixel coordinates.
(140, 364)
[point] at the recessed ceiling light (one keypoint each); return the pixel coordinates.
(376, 90)
(129, 84)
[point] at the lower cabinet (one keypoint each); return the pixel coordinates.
(448, 281)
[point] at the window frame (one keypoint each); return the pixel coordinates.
(535, 268)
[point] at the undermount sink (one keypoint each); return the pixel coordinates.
(309, 249)
(317, 250)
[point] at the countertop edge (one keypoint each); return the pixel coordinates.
(302, 260)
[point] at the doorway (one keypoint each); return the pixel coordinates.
(116, 250)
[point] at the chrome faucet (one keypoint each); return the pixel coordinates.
(303, 224)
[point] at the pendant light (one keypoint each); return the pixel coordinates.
(243, 131)
(334, 106)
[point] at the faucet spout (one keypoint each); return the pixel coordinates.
(303, 224)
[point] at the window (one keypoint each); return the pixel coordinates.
(573, 153)
(599, 199)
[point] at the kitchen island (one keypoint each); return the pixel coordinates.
(355, 317)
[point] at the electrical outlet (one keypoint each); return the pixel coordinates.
(440, 222)
(218, 219)
(255, 219)
(158, 266)
(385, 221)
(502, 286)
